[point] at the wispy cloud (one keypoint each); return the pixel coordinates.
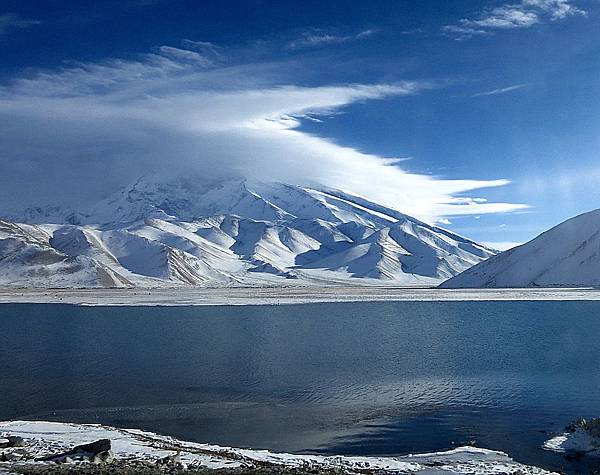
(524, 14)
(81, 131)
(205, 48)
(315, 38)
(184, 56)
(11, 21)
(501, 90)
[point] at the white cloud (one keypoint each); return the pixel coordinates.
(184, 55)
(314, 38)
(524, 14)
(11, 21)
(501, 245)
(510, 16)
(558, 9)
(502, 90)
(77, 133)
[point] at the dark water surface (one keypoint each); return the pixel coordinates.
(351, 378)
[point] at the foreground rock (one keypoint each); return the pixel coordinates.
(144, 452)
(97, 452)
(11, 441)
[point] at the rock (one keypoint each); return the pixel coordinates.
(591, 426)
(11, 441)
(103, 457)
(13, 456)
(102, 445)
(83, 452)
(173, 460)
(17, 441)
(575, 456)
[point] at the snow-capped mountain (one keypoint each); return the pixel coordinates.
(227, 232)
(567, 255)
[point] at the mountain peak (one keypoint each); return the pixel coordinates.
(568, 255)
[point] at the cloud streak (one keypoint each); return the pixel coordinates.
(524, 14)
(503, 90)
(11, 21)
(77, 133)
(316, 38)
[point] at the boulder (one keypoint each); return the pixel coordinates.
(102, 445)
(103, 457)
(14, 455)
(591, 426)
(98, 452)
(173, 461)
(11, 441)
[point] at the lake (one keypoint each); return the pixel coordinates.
(379, 378)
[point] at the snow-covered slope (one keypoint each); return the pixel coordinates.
(227, 232)
(28, 258)
(567, 255)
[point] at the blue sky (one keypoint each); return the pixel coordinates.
(491, 100)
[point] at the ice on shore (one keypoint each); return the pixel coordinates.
(47, 438)
(581, 437)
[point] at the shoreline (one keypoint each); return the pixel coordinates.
(282, 295)
(130, 448)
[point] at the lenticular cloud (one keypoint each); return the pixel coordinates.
(79, 132)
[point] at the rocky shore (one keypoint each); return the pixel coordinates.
(580, 439)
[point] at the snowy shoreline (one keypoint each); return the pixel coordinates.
(129, 446)
(282, 295)
(580, 438)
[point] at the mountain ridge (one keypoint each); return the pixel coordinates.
(192, 231)
(567, 255)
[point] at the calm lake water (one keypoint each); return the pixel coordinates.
(349, 378)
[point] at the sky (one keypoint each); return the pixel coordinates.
(481, 116)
